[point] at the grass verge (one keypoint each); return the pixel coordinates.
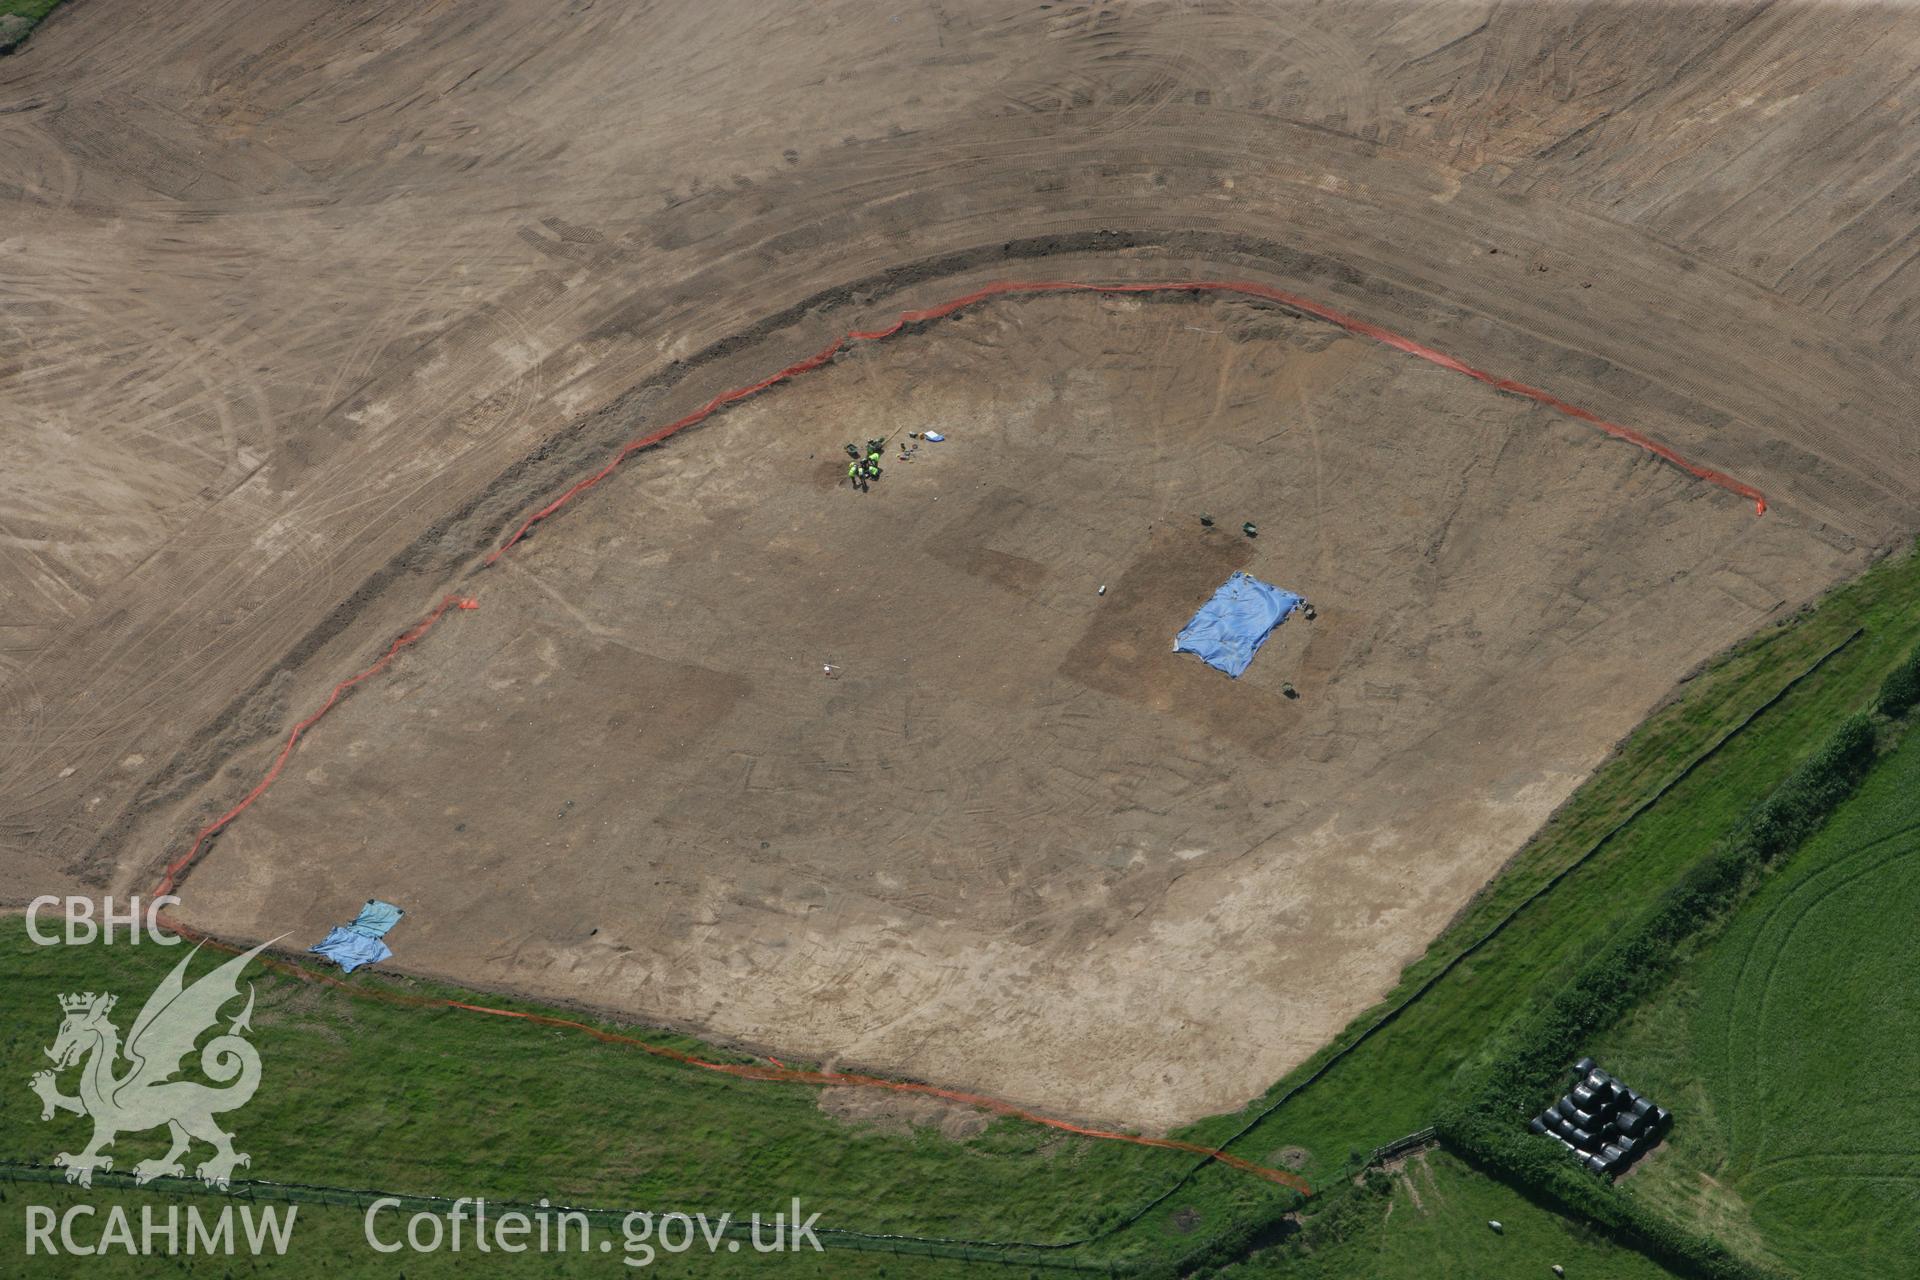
(327, 1243)
(363, 1094)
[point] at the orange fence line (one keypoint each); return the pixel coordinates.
(174, 869)
(749, 1071)
(777, 1072)
(1245, 288)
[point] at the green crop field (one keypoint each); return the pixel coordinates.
(1787, 1047)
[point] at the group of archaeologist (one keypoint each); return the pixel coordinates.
(865, 469)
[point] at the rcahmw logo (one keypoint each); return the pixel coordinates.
(143, 1094)
(263, 1229)
(130, 1087)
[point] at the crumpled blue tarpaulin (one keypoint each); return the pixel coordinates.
(1231, 627)
(350, 950)
(352, 945)
(376, 918)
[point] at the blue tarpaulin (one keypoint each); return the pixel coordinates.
(376, 918)
(350, 950)
(352, 945)
(1231, 627)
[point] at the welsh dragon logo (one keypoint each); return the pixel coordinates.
(144, 1095)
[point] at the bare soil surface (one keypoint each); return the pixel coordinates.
(883, 777)
(300, 303)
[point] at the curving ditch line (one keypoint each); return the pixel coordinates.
(1242, 288)
(178, 868)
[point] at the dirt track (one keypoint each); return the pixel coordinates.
(292, 298)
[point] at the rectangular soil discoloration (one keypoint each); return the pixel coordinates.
(884, 778)
(1123, 651)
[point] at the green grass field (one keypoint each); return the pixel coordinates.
(14, 13)
(1431, 1224)
(369, 1095)
(361, 1093)
(1788, 1046)
(1391, 1084)
(326, 1243)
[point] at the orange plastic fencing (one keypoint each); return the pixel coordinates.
(1245, 288)
(174, 869)
(778, 1072)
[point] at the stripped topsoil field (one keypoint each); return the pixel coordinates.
(884, 778)
(301, 304)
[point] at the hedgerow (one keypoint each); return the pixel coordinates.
(1901, 690)
(1487, 1122)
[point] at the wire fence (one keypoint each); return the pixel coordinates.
(1033, 1256)
(256, 1190)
